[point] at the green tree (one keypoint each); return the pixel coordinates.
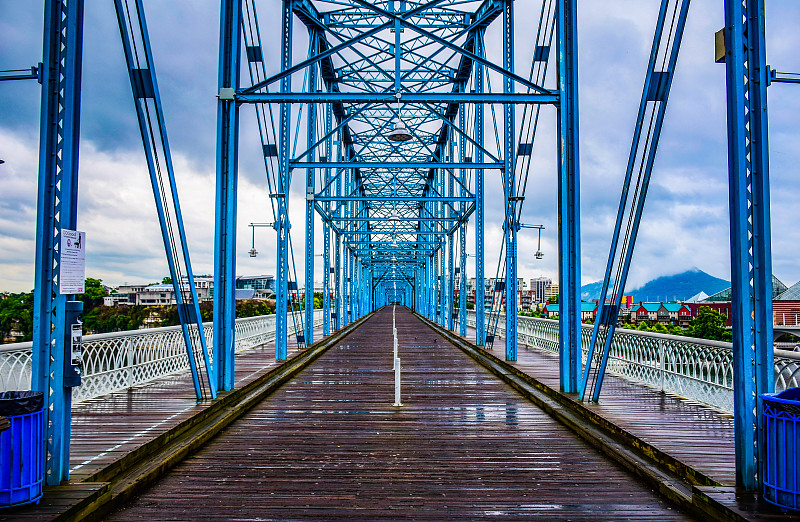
(93, 294)
(553, 299)
(16, 315)
(166, 281)
(254, 307)
(659, 328)
(676, 330)
(709, 324)
(103, 319)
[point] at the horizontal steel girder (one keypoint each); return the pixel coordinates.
(393, 165)
(365, 97)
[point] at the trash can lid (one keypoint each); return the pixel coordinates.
(13, 403)
(792, 394)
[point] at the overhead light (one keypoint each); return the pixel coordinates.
(399, 132)
(394, 216)
(253, 252)
(539, 254)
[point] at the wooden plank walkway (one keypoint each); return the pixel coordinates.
(695, 434)
(329, 445)
(106, 428)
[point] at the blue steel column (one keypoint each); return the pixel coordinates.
(337, 282)
(510, 187)
(282, 226)
(751, 256)
(57, 209)
(326, 230)
(480, 301)
(310, 175)
(346, 272)
(440, 258)
(348, 293)
(462, 231)
(337, 261)
(449, 319)
(569, 325)
(226, 195)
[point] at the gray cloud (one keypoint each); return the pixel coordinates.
(685, 221)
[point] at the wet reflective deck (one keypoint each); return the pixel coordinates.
(329, 444)
(695, 434)
(106, 428)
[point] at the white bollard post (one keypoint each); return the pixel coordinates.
(397, 382)
(396, 363)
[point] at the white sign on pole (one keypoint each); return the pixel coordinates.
(72, 268)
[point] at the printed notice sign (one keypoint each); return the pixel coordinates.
(73, 262)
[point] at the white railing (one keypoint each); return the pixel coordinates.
(119, 360)
(696, 369)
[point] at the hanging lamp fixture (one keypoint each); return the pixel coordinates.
(399, 132)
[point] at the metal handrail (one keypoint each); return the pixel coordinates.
(692, 368)
(120, 360)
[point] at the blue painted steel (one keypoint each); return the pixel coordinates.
(751, 257)
(510, 186)
(397, 164)
(433, 199)
(226, 197)
(326, 230)
(480, 305)
(399, 206)
(783, 77)
(569, 258)
(652, 108)
(368, 97)
(144, 87)
(451, 211)
(34, 73)
(282, 226)
(310, 189)
(57, 206)
(462, 230)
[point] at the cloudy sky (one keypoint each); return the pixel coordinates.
(686, 217)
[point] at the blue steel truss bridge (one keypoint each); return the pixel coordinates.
(390, 114)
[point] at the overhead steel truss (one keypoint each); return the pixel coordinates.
(395, 214)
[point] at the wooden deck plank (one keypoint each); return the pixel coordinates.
(329, 445)
(700, 436)
(108, 427)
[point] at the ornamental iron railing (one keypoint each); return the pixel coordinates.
(120, 360)
(695, 369)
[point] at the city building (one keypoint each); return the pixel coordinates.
(263, 286)
(551, 291)
(588, 310)
(160, 294)
(540, 286)
(665, 313)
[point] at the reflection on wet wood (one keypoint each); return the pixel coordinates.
(329, 444)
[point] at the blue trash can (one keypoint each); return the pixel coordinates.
(782, 447)
(21, 448)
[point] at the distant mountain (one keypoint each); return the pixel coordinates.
(667, 288)
(591, 291)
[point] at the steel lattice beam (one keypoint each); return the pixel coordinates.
(751, 256)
